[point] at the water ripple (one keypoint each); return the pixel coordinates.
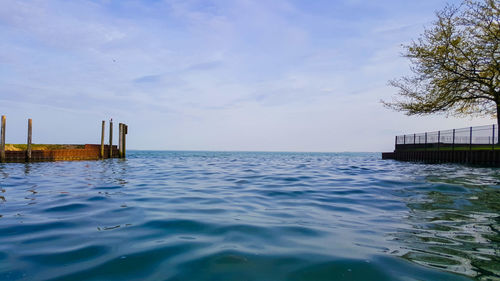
(248, 216)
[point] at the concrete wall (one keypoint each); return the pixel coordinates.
(476, 157)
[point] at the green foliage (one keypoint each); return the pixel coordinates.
(455, 64)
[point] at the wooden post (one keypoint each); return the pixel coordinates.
(28, 149)
(2, 141)
(111, 138)
(120, 139)
(103, 131)
(125, 131)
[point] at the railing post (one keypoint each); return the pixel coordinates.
(111, 138)
(470, 139)
(395, 142)
(493, 146)
(2, 140)
(439, 139)
(28, 148)
(453, 143)
(414, 137)
(103, 131)
(426, 141)
(493, 138)
(404, 139)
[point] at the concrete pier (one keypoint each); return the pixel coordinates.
(475, 157)
(89, 152)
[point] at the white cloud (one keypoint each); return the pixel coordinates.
(222, 75)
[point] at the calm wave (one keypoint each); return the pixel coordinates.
(248, 216)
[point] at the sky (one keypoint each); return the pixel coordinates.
(229, 75)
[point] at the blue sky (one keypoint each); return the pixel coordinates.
(280, 75)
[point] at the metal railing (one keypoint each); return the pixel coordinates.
(470, 136)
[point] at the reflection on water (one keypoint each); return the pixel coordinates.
(455, 222)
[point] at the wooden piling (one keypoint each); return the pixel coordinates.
(2, 140)
(120, 139)
(110, 138)
(125, 131)
(28, 148)
(103, 131)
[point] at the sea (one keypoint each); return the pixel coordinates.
(195, 215)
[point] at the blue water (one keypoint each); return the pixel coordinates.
(248, 216)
